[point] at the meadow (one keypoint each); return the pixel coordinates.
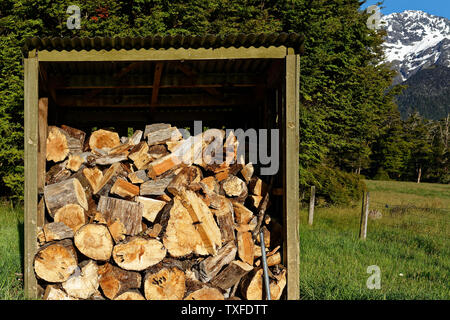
(410, 244)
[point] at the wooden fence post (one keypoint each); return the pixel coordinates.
(311, 205)
(364, 216)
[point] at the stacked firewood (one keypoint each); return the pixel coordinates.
(146, 217)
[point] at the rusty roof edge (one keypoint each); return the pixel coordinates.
(158, 41)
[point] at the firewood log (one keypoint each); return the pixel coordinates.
(110, 159)
(74, 162)
(61, 142)
(139, 176)
(130, 295)
(252, 285)
(163, 135)
(127, 213)
(57, 231)
(151, 207)
(57, 173)
(245, 247)
(94, 176)
(277, 285)
(241, 213)
(234, 187)
(164, 283)
(124, 189)
(55, 261)
(110, 176)
(103, 139)
(53, 292)
(114, 281)
(59, 194)
(72, 215)
(205, 293)
(224, 214)
(157, 151)
(247, 172)
(211, 266)
(83, 283)
(203, 220)
(139, 155)
(257, 187)
(94, 241)
(180, 235)
(231, 274)
(155, 187)
(138, 253)
(155, 127)
(183, 179)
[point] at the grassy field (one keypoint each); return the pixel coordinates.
(410, 244)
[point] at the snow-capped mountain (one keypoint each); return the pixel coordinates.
(416, 40)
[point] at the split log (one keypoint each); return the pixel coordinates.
(210, 185)
(235, 187)
(157, 151)
(277, 285)
(255, 201)
(60, 143)
(151, 207)
(138, 253)
(211, 266)
(83, 283)
(231, 274)
(110, 176)
(164, 283)
(266, 237)
(74, 162)
(155, 127)
(94, 176)
(203, 220)
(110, 159)
(127, 213)
(124, 189)
(154, 231)
(94, 241)
(224, 214)
(114, 281)
(57, 231)
(183, 179)
(252, 285)
(139, 155)
(57, 173)
(139, 176)
(72, 215)
(163, 135)
(56, 261)
(247, 172)
(78, 137)
(130, 295)
(257, 187)
(274, 259)
(52, 292)
(241, 213)
(59, 194)
(181, 236)
(101, 139)
(245, 247)
(155, 187)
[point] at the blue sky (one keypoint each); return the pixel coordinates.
(434, 7)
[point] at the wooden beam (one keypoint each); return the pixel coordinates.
(156, 82)
(31, 95)
(164, 54)
(176, 81)
(291, 179)
(143, 101)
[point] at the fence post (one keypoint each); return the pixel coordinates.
(364, 216)
(311, 205)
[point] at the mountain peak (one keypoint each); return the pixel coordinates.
(416, 40)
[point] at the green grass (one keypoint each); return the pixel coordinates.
(410, 245)
(11, 251)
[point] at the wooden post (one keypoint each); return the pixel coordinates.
(291, 179)
(364, 216)
(31, 96)
(311, 205)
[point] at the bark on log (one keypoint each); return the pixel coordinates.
(138, 253)
(53, 292)
(114, 281)
(57, 231)
(163, 135)
(252, 285)
(245, 247)
(124, 189)
(94, 241)
(183, 179)
(55, 261)
(139, 176)
(59, 194)
(57, 173)
(231, 274)
(211, 266)
(128, 213)
(155, 187)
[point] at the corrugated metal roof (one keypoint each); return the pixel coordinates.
(291, 40)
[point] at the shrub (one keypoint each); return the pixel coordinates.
(335, 186)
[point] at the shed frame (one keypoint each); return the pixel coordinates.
(35, 130)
